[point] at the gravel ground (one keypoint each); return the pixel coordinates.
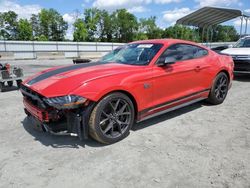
(196, 146)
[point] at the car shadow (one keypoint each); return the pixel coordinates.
(54, 141)
(242, 77)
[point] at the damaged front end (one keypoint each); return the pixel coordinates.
(64, 115)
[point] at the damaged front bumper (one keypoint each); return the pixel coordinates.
(73, 122)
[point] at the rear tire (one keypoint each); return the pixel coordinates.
(219, 89)
(112, 118)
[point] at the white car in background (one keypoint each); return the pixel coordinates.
(240, 53)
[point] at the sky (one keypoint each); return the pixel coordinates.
(166, 11)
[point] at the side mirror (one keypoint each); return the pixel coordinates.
(166, 61)
(230, 46)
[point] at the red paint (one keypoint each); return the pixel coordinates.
(40, 114)
(165, 83)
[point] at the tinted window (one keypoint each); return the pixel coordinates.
(181, 52)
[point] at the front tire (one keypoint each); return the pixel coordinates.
(112, 118)
(219, 89)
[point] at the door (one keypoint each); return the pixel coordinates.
(181, 79)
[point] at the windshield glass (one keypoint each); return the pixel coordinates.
(243, 43)
(111, 54)
(134, 54)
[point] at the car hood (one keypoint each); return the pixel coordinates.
(236, 51)
(64, 80)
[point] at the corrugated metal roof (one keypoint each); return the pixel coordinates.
(208, 16)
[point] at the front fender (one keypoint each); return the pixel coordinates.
(97, 89)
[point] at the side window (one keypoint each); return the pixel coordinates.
(199, 52)
(174, 52)
(181, 52)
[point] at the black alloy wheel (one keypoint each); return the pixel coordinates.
(112, 118)
(219, 89)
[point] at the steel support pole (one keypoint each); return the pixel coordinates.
(246, 25)
(202, 35)
(212, 33)
(241, 19)
(208, 35)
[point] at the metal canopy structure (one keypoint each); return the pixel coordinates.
(211, 16)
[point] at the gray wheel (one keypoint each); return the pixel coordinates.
(219, 89)
(112, 118)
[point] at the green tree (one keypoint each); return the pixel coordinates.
(24, 30)
(104, 27)
(52, 25)
(125, 25)
(80, 31)
(148, 27)
(181, 32)
(8, 25)
(224, 33)
(34, 21)
(91, 17)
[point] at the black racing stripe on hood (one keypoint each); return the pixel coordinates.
(61, 70)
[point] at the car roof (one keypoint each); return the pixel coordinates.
(247, 36)
(169, 41)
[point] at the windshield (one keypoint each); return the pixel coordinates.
(111, 54)
(134, 54)
(243, 43)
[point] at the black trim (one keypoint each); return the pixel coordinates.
(62, 70)
(169, 102)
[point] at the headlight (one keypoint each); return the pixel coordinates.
(63, 102)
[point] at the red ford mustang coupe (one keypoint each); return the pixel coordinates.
(144, 79)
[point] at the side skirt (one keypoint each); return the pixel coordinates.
(173, 105)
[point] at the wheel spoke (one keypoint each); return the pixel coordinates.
(224, 82)
(121, 123)
(110, 126)
(112, 131)
(119, 128)
(113, 108)
(116, 104)
(221, 80)
(217, 94)
(103, 121)
(221, 95)
(124, 113)
(104, 113)
(122, 108)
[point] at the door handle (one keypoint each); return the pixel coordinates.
(197, 68)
